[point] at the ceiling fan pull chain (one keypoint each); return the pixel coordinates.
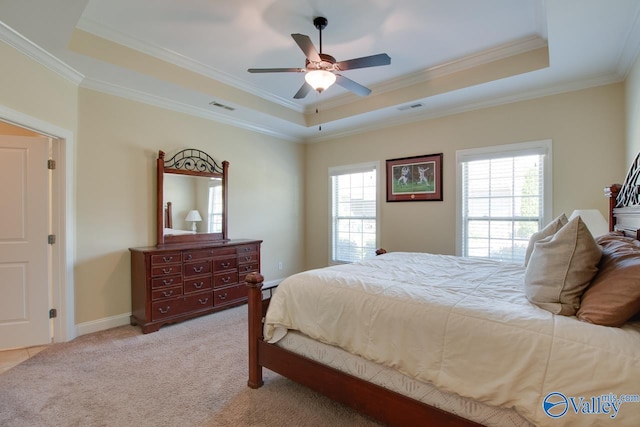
(318, 112)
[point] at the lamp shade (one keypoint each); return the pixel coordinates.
(193, 215)
(593, 219)
(320, 79)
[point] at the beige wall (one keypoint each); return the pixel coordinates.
(632, 90)
(118, 143)
(34, 90)
(587, 129)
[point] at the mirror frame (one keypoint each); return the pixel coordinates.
(193, 162)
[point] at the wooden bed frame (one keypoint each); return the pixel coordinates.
(384, 405)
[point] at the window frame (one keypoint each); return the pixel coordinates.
(544, 147)
(343, 170)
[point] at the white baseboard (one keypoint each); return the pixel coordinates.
(102, 324)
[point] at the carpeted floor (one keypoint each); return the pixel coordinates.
(189, 374)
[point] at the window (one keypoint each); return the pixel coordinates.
(215, 206)
(504, 196)
(354, 226)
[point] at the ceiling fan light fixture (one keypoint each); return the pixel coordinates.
(320, 79)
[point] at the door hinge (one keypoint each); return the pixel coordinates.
(51, 238)
(53, 313)
(51, 164)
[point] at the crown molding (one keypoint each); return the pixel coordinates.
(168, 104)
(474, 60)
(427, 113)
(25, 46)
(631, 49)
(182, 61)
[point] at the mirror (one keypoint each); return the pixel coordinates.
(192, 198)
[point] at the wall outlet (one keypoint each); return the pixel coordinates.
(280, 265)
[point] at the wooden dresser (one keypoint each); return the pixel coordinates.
(172, 283)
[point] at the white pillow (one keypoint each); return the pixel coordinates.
(551, 229)
(561, 267)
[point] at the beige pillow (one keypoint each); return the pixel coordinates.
(561, 267)
(551, 229)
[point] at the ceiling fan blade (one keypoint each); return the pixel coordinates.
(307, 47)
(354, 87)
(303, 91)
(276, 70)
(364, 62)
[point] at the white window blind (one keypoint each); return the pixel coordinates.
(504, 198)
(353, 212)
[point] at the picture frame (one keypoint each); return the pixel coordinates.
(415, 179)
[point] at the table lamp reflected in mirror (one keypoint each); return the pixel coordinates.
(194, 217)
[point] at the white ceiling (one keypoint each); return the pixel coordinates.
(589, 42)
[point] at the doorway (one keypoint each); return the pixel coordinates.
(59, 293)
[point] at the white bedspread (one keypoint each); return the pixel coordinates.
(466, 326)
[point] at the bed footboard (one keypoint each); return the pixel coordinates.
(257, 310)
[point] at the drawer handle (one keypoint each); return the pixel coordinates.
(167, 258)
(198, 269)
(222, 296)
(225, 264)
(189, 256)
(203, 301)
(198, 285)
(165, 311)
(247, 249)
(248, 258)
(167, 270)
(226, 279)
(167, 281)
(247, 267)
(167, 294)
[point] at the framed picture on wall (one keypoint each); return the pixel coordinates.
(415, 179)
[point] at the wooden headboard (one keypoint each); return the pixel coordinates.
(622, 217)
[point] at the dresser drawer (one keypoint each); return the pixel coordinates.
(166, 308)
(166, 258)
(197, 285)
(198, 301)
(175, 306)
(243, 249)
(197, 268)
(248, 257)
(243, 269)
(174, 291)
(225, 279)
(222, 264)
(229, 295)
(163, 282)
(197, 254)
(166, 270)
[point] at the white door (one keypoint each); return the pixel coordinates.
(24, 249)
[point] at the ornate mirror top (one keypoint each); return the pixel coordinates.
(191, 198)
(192, 160)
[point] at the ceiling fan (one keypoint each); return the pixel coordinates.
(322, 69)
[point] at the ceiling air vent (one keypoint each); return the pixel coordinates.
(411, 106)
(217, 104)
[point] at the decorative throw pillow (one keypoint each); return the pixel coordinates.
(551, 229)
(561, 267)
(614, 294)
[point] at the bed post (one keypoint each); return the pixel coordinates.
(254, 284)
(612, 193)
